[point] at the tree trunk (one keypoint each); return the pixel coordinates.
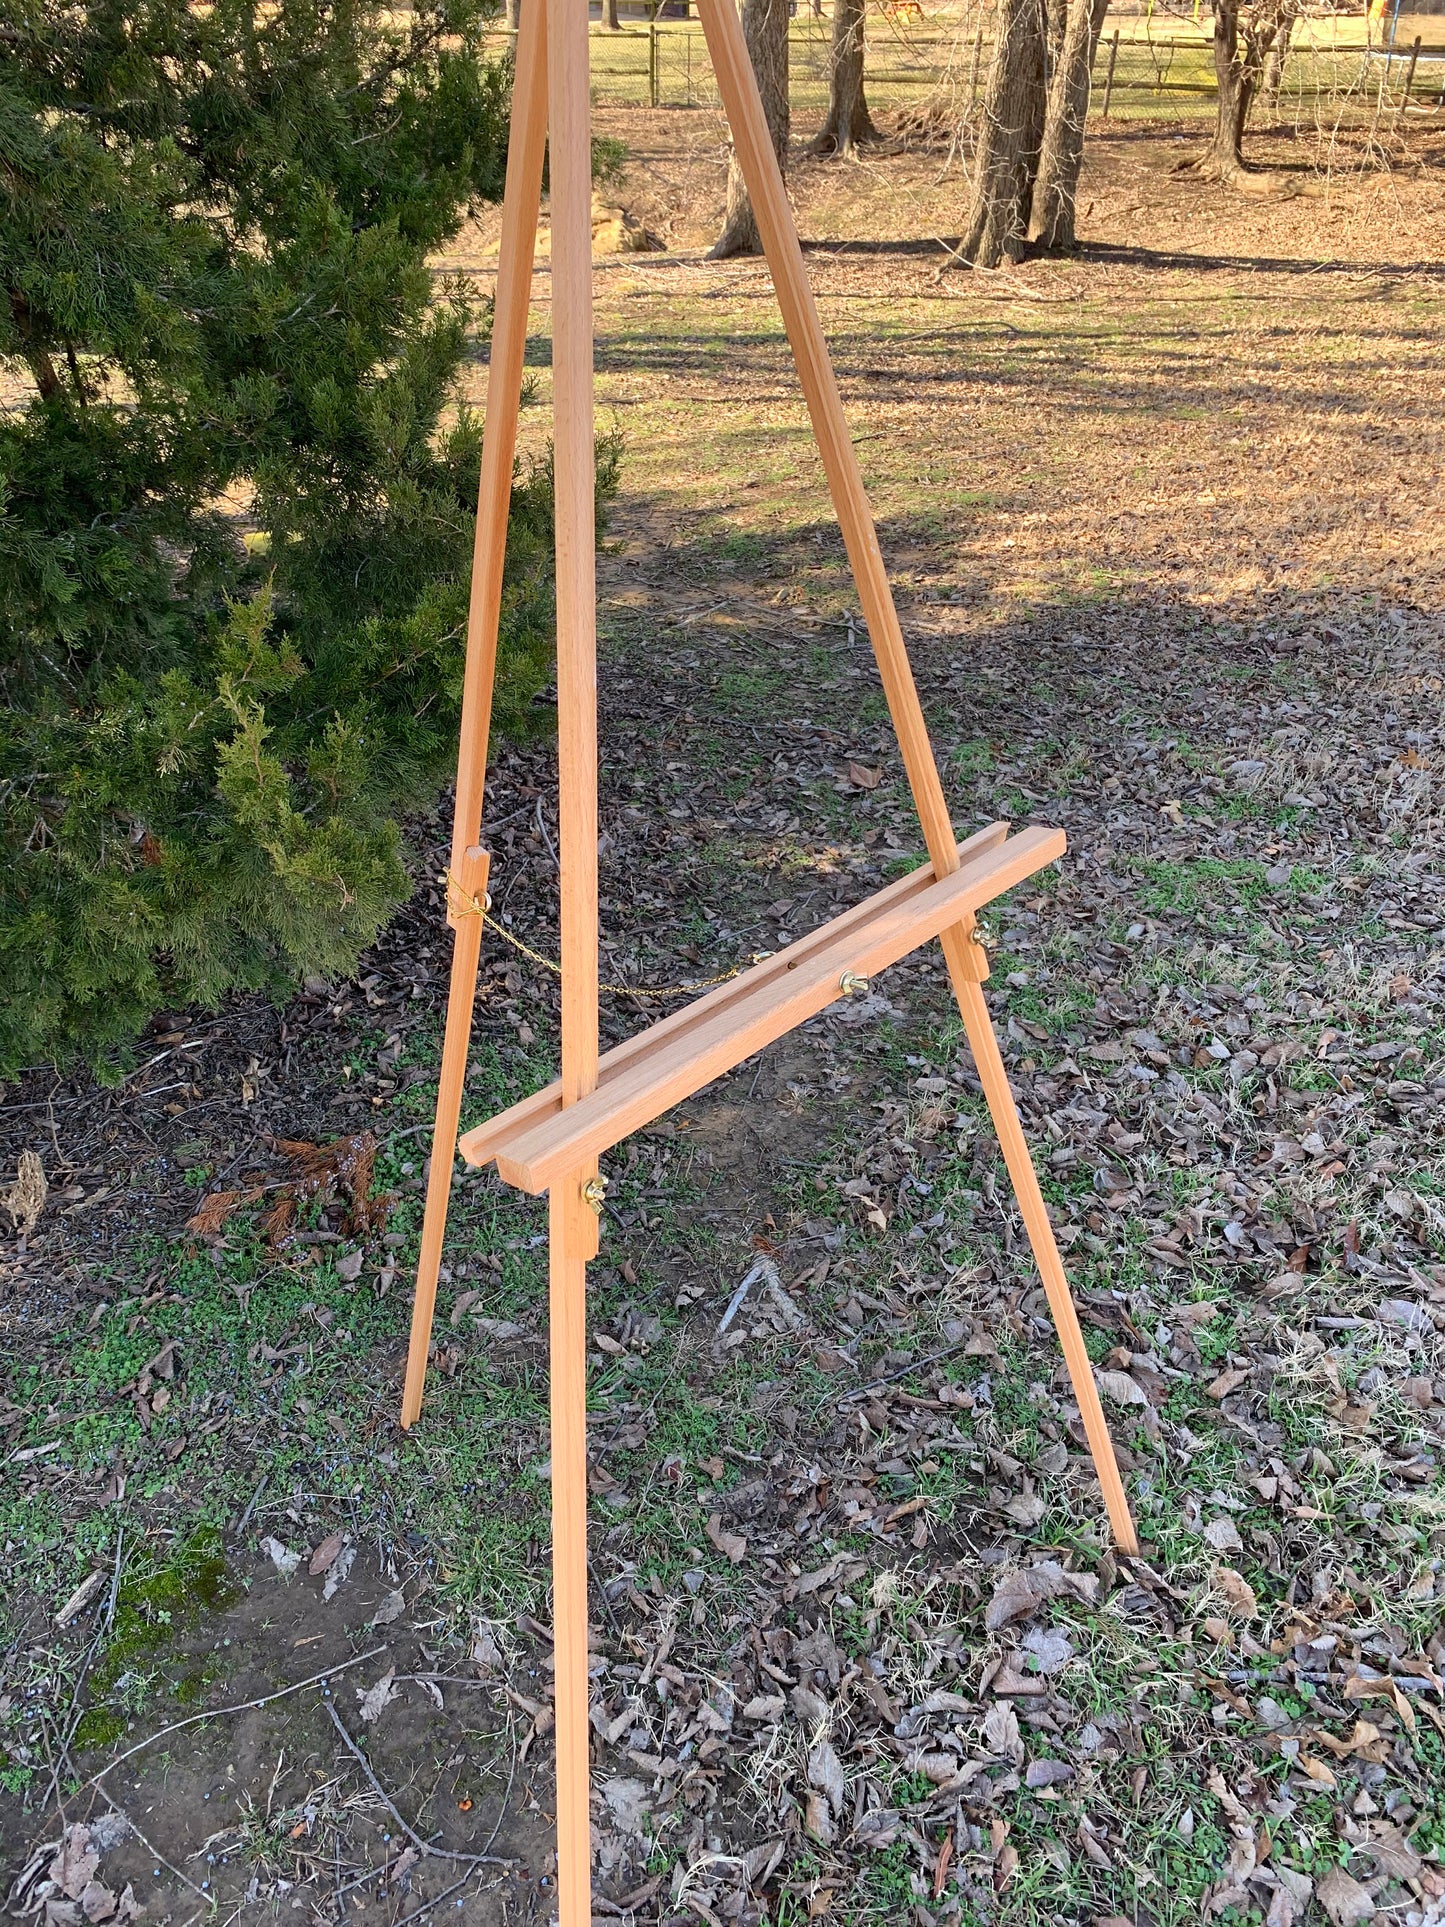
(1246, 35)
(1236, 91)
(1246, 38)
(849, 123)
(40, 363)
(1056, 189)
(765, 28)
(1008, 148)
(514, 14)
(609, 16)
(1274, 62)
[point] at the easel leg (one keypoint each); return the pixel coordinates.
(738, 88)
(575, 484)
(988, 1061)
(571, 1229)
(572, 1223)
(499, 442)
(462, 989)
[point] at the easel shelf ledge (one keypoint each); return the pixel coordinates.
(673, 1062)
(480, 1144)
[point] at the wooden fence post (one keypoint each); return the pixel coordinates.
(1109, 77)
(1409, 76)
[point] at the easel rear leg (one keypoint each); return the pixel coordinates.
(967, 967)
(738, 87)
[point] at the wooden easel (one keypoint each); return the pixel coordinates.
(551, 1142)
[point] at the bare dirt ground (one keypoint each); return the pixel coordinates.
(1165, 525)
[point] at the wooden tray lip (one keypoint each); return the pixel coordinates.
(478, 1146)
(504, 1137)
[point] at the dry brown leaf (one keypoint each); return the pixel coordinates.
(1120, 1387)
(1013, 1598)
(25, 1200)
(1343, 1898)
(374, 1700)
(1094, 1848)
(1020, 1593)
(941, 1866)
(1027, 1507)
(825, 1774)
(1227, 1382)
(73, 1868)
(1001, 1733)
(80, 1598)
(1237, 1591)
(1359, 1742)
(730, 1544)
(878, 1829)
(324, 1556)
(764, 1707)
(1393, 1853)
(818, 1819)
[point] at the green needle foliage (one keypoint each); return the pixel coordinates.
(236, 491)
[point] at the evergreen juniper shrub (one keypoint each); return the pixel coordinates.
(236, 491)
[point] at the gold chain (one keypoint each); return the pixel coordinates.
(466, 905)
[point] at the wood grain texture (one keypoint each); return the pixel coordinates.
(526, 146)
(466, 955)
(764, 1011)
(479, 1145)
(574, 465)
(992, 1075)
(774, 214)
(571, 1226)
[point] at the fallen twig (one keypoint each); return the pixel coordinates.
(221, 1712)
(154, 1851)
(903, 1371)
(102, 1628)
(422, 1846)
(735, 1303)
(445, 1894)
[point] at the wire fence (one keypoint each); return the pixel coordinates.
(1148, 66)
